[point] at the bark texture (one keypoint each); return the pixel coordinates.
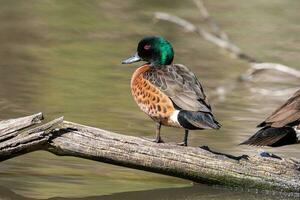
(193, 163)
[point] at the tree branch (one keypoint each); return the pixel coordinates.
(20, 142)
(193, 163)
(9, 128)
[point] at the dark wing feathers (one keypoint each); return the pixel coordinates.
(269, 136)
(277, 128)
(287, 114)
(180, 85)
(197, 120)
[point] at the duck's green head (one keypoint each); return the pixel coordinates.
(154, 50)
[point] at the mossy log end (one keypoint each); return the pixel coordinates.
(65, 138)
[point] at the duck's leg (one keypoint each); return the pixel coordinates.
(157, 131)
(185, 139)
(157, 138)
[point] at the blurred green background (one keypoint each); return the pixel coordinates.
(62, 57)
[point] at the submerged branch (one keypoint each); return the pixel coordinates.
(257, 68)
(220, 39)
(206, 16)
(188, 26)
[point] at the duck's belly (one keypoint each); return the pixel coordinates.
(154, 102)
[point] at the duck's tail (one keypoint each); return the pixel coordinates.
(274, 137)
(193, 120)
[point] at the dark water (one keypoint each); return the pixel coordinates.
(199, 192)
(63, 58)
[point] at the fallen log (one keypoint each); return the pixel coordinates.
(65, 138)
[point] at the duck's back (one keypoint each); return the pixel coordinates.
(180, 85)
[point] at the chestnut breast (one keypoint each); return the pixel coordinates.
(151, 100)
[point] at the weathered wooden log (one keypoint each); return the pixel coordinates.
(9, 128)
(14, 142)
(193, 163)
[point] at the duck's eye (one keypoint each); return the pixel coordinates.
(147, 47)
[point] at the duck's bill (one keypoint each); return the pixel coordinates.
(132, 59)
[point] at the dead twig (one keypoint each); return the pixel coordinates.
(257, 68)
(188, 26)
(283, 92)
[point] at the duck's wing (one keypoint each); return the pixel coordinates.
(181, 86)
(274, 137)
(287, 114)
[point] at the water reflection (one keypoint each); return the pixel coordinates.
(196, 192)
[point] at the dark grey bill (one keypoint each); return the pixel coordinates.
(132, 59)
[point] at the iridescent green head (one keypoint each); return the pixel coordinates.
(154, 50)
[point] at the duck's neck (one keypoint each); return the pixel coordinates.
(165, 54)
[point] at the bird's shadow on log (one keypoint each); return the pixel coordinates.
(264, 154)
(237, 158)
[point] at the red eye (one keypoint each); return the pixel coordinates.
(147, 46)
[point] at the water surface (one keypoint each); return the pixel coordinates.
(63, 58)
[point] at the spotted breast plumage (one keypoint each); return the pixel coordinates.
(169, 93)
(151, 99)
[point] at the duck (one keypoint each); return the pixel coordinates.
(281, 128)
(170, 94)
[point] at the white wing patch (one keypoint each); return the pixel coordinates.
(297, 131)
(174, 117)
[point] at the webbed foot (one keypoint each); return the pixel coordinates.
(182, 144)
